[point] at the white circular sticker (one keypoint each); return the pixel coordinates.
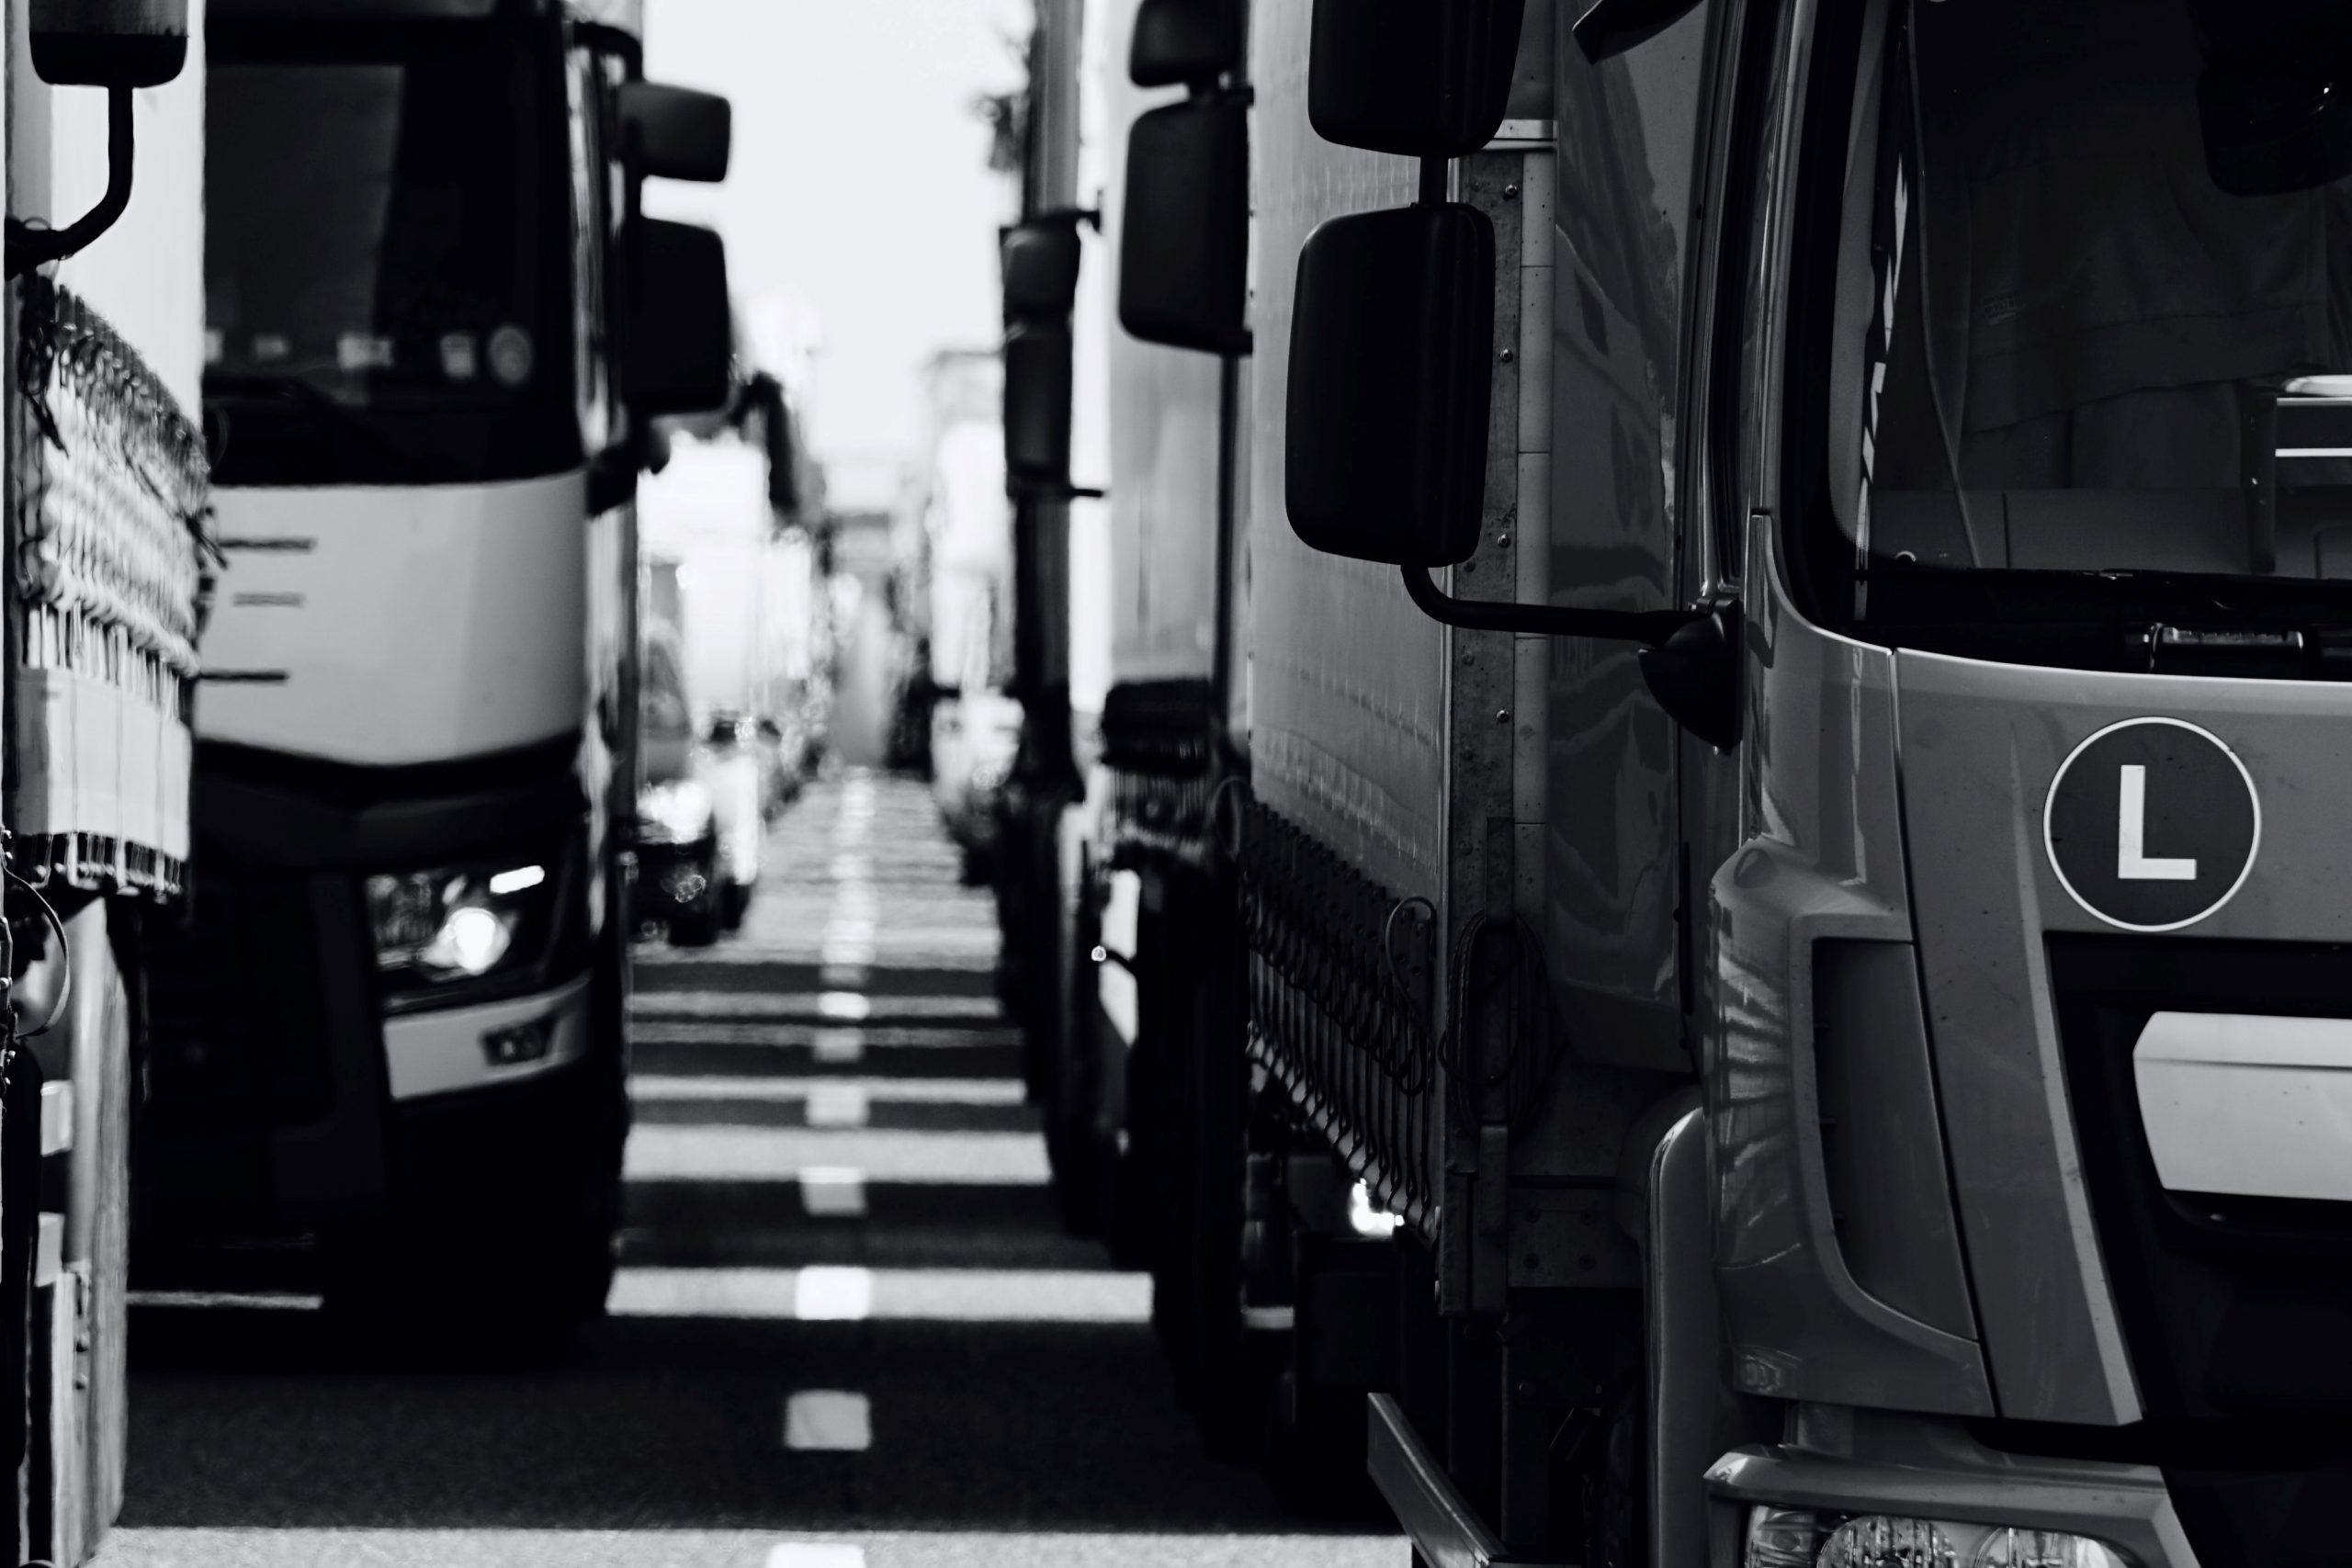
(2153, 824)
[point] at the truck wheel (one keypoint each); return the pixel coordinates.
(80, 1383)
(698, 924)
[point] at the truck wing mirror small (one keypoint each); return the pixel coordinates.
(676, 133)
(1037, 380)
(1422, 78)
(682, 328)
(1610, 28)
(1185, 42)
(1392, 352)
(1040, 259)
(1184, 233)
(1392, 329)
(108, 43)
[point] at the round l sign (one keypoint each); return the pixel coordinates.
(2153, 824)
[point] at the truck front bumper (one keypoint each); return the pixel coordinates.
(2126, 1505)
(1940, 1474)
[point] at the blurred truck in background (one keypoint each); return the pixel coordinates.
(438, 332)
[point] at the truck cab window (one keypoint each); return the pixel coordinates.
(2059, 348)
(416, 331)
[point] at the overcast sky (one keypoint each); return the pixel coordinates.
(861, 185)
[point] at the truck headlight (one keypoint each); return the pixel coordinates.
(1802, 1538)
(449, 925)
(678, 812)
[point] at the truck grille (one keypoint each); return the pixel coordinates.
(235, 1041)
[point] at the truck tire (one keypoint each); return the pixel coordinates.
(697, 925)
(1230, 1390)
(80, 1380)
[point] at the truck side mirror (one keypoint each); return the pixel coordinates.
(1422, 78)
(1184, 235)
(1610, 27)
(108, 43)
(676, 133)
(1181, 42)
(1391, 350)
(1040, 259)
(682, 327)
(1037, 372)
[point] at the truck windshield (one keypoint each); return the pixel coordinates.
(386, 255)
(2062, 347)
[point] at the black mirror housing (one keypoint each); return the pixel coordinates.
(1038, 360)
(1184, 235)
(1041, 261)
(682, 326)
(1391, 359)
(1185, 42)
(1610, 27)
(676, 133)
(108, 43)
(1420, 78)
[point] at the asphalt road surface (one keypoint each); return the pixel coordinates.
(847, 1333)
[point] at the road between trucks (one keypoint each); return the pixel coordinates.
(847, 1329)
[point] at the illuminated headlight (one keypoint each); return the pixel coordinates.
(453, 924)
(1366, 1219)
(1801, 1538)
(677, 812)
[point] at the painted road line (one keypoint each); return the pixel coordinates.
(833, 1193)
(657, 1153)
(849, 933)
(839, 1105)
(838, 1295)
(757, 1035)
(815, 1554)
(649, 1088)
(828, 1420)
(838, 1047)
(789, 1007)
(840, 977)
(882, 1295)
(238, 1300)
(847, 959)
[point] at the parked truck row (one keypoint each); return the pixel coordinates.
(1701, 931)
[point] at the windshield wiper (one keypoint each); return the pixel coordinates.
(311, 395)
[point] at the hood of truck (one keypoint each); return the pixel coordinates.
(2060, 910)
(393, 627)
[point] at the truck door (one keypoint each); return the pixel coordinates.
(1629, 134)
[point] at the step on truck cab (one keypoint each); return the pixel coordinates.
(438, 329)
(109, 575)
(1794, 615)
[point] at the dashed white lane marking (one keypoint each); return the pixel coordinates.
(882, 1295)
(828, 1420)
(852, 870)
(849, 933)
(908, 1156)
(832, 1295)
(843, 977)
(838, 1047)
(651, 1087)
(815, 1554)
(839, 1105)
(851, 1007)
(833, 1193)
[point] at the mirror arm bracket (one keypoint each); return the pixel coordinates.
(1651, 628)
(28, 247)
(1689, 659)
